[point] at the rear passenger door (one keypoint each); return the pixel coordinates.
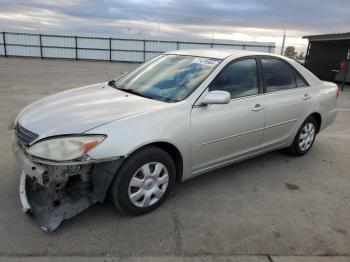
(288, 100)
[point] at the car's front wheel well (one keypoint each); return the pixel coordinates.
(175, 155)
(318, 119)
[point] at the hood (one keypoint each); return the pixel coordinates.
(77, 110)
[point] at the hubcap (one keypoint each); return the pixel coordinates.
(148, 184)
(307, 136)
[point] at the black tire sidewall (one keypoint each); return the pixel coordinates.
(296, 146)
(120, 185)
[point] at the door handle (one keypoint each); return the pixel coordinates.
(306, 97)
(258, 107)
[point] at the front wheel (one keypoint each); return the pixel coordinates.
(144, 181)
(305, 137)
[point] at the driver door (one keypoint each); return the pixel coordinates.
(223, 133)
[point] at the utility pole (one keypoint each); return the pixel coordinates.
(284, 40)
(38, 26)
(212, 39)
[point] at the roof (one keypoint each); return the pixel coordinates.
(328, 37)
(216, 53)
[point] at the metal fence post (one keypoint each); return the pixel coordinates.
(177, 45)
(110, 49)
(144, 50)
(41, 47)
(76, 48)
(4, 43)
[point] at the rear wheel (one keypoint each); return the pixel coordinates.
(305, 137)
(144, 181)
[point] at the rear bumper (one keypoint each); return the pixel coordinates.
(328, 118)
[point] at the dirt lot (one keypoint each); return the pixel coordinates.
(271, 205)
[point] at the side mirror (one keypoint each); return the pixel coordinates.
(216, 97)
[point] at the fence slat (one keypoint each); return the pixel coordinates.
(110, 49)
(4, 43)
(41, 47)
(144, 50)
(76, 48)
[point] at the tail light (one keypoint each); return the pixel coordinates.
(337, 91)
(342, 65)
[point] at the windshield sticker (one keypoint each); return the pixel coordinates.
(205, 61)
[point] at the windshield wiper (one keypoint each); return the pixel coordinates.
(131, 91)
(113, 84)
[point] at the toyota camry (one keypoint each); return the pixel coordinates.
(175, 117)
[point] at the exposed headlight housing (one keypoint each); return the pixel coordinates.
(65, 148)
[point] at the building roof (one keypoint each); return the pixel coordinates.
(328, 37)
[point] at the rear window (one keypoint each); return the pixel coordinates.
(278, 75)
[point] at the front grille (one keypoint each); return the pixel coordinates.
(25, 136)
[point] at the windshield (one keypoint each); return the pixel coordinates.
(169, 78)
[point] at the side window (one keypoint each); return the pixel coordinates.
(300, 82)
(238, 78)
(278, 75)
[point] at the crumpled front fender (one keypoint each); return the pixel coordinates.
(50, 194)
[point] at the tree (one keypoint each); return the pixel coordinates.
(290, 52)
(301, 56)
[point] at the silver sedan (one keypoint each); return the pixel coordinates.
(175, 117)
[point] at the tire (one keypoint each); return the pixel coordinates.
(297, 148)
(144, 181)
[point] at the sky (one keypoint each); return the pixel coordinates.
(244, 20)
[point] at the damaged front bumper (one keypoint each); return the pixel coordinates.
(51, 193)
